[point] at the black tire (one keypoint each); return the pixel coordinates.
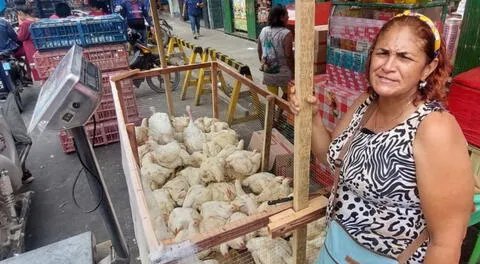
(157, 84)
(138, 82)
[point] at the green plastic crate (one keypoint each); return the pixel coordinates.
(468, 50)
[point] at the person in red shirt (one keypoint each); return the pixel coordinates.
(98, 8)
(25, 19)
(62, 10)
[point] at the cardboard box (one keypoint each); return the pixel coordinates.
(320, 45)
(281, 152)
(334, 102)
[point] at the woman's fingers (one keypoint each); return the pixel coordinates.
(312, 99)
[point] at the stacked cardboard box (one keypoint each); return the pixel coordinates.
(320, 49)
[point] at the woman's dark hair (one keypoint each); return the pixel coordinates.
(436, 83)
(63, 10)
(99, 5)
(277, 12)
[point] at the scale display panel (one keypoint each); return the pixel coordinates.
(70, 96)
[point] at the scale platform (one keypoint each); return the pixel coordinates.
(74, 250)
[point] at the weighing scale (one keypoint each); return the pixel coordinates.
(67, 100)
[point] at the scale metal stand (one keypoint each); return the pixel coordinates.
(67, 101)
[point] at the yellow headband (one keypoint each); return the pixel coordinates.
(430, 23)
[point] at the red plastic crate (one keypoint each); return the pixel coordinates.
(127, 84)
(106, 109)
(106, 57)
(463, 104)
(105, 133)
(45, 62)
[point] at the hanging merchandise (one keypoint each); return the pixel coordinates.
(263, 8)
(240, 15)
(451, 34)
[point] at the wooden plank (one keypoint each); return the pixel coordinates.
(250, 84)
(233, 230)
(304, 41)
(236, 229)
(159, 71)
(144, 231)
(214, 90)
(133, 141)
(290, 220)
(124, 75)
(163, 60)
(119, 91)
(267, 137)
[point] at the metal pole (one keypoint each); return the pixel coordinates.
(94, 177)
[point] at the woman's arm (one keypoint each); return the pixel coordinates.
(259, 49)
(321, 137)
(288, 50)
(445, 183)
(23, 33)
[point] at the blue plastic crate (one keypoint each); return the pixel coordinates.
(48, 34)
(103, 29)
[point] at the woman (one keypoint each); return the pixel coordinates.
(407, 168)
(62, 10)
(194, 11)
(275, 51)
(98, 8)
(25, 19)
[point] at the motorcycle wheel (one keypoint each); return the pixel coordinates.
(157, 83)
(137, 82)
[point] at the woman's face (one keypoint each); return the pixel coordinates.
(398, 63)
(285, 18)
(20, 15)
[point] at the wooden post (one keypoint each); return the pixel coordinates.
(304, 42)
(163, 61)
(214, 90)
(267, 138)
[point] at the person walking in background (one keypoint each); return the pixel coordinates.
(98, 8)
(25, 20)
(62, 10)
(135, 13)
(8, 38)
(194, 11)
(275, 51)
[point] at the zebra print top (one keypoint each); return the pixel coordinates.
(377, 198)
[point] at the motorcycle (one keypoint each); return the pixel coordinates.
(15, 145)
(144, 58)
(13, 77)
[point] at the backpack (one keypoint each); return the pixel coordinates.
(270, 62)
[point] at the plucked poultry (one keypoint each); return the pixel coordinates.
(193, 137)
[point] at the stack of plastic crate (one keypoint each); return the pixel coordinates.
(110, 57)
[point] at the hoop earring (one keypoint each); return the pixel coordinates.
(422, 85)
